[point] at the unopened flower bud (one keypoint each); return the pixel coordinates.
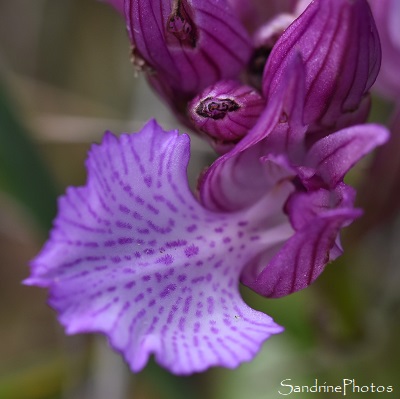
(339, 45)
(186, 45)
(225, 112)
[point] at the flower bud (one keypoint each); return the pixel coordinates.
(339, 45)
(185, 46)
(225, 112)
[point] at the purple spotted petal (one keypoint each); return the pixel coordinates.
(186, 45)
(333, 156)
(133, 255)
(304, 256)
(340, 47)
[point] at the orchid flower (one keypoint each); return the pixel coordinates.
(275, 150)
(339, 46)
(185, 49)
(135, 256)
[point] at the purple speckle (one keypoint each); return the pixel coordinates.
(169, 273)
(125, 240)
(226, 240)
(130, 285)
(171, 314)
(124, 209)
(153, 209)
(191, 228)
(210, 303)
(159, 198)
(139, 298)
(137, 255)
(177, 243)
(218, 264)
(152, 303)
(143, 231)
(110, 243)
(137, 216)
(91, 244)
(167, 290)
(192, 250)
(182, 278)
(139, 200)
(186, 307)
(146, 278)
(181, 324)
(111, 289)
(166, 260)
(123, 225)
(147, 180)
(148, 251)
(219, 230)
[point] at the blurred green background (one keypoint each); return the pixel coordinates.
(65, 77)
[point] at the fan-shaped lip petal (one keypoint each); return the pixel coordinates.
(133, 255)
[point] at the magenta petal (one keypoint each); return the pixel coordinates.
(340, 47)
(187, 44)
(133, 255)
(333, 156)
(304, 256)
(226, 185)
